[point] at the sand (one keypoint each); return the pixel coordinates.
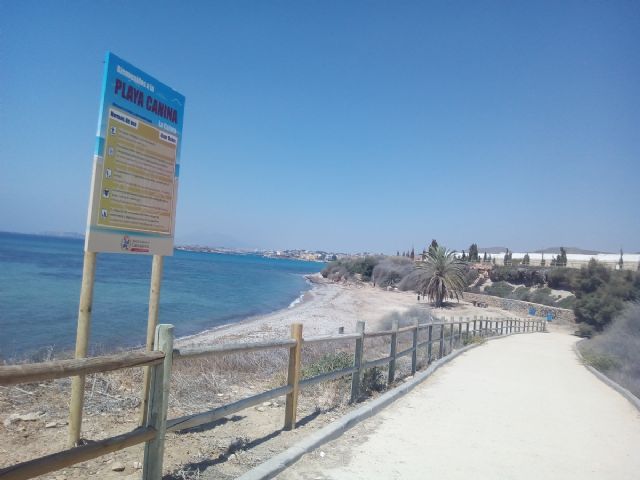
(521, 407)
(327, 307)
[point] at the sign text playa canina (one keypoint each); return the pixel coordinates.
(136, 163)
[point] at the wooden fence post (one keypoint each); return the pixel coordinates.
(460, 330)
(451, 324)
(480, 326)
(429, 346)
(160, 383)
(356, 377)
(467, 330)
(475, 319)
(414, 354)
(293, 377)
(394, 349)
(441, 349)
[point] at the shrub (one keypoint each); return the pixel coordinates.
(499, 289)
(329, 362)
(474, 339)
(348, 268)
(585, 330)
(616, 351)
(528, 276)
(522, 293)
(391, 270)
(542, 296)
(600, 362)
(567, 302)
(373, 380)
(561, 278)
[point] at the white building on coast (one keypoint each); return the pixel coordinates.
(630, 261)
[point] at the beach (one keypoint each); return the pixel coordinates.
(328, 306)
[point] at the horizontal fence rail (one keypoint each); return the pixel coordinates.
(66, 458)
(152, 433)
(227, 348)
(195, 420)
(442, 337)
(39, 372)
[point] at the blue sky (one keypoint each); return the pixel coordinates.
(345, 126)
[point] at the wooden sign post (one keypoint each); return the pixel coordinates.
(152, 322)
(134, 190)
(82, 342)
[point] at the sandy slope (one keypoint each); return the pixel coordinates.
(516, 408)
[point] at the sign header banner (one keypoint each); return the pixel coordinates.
(136, 163)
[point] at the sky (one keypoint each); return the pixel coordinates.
(344, 126)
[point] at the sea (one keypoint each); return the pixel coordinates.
(40, 279)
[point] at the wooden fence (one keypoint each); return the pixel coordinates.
(442, 338)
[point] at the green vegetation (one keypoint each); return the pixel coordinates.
(473, 253)
(600, 293)
(348, 268)
(474, 339)
(600, 362)
(373, 380)
(528, 276)
(499, 289)
(616, 351)
(444, 276)
(330, 362)
(527, 294)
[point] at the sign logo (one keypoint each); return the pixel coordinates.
(124, 244)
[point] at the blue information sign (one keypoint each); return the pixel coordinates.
(136, 163)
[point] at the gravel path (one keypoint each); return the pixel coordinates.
(516, 408)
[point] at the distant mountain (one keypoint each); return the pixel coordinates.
(569, 250)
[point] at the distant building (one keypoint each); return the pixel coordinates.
(630, 261)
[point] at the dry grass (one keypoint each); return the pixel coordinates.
(112, 400)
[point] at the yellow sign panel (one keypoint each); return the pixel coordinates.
(137, 187)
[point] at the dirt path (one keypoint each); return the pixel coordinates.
(516, 408)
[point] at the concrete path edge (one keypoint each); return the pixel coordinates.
(635, 401)
(280, 462)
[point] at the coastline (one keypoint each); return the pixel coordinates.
(328, 306)
(322, 310)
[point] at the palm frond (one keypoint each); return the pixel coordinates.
(443, 276)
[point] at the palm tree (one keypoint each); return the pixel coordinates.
(443, 276)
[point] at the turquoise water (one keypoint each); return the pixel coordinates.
(40, 288)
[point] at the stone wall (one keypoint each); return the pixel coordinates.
(520, 308)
